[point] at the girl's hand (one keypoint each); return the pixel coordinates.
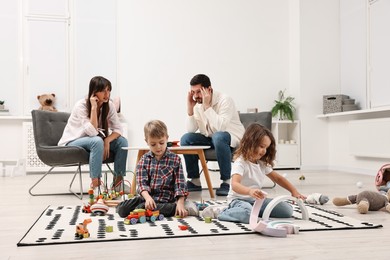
(257, 194)
(298, 195)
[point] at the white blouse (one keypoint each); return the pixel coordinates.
(79, 124)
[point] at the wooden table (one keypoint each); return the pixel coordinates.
(179, 150)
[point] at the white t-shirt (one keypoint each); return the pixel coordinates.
(253, 176)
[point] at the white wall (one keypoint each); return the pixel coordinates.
(319, 76)
(250, 49)
(242, 45)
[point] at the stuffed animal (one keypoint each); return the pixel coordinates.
(366, 201)
(317, 198)
(47, 102)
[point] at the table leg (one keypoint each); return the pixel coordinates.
(134, 182)
(202, 159)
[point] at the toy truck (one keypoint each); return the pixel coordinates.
(142, 215)
(82, 230)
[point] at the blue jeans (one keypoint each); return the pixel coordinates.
(220, 141)
(240, 210)
(95, 146)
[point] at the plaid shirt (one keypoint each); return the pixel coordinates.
(163, 179)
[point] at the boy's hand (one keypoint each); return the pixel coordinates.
(180, 209)
(150, 204)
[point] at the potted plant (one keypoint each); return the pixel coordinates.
(283, 107)
(2, 104)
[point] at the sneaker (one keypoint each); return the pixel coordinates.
(213, 211)
(191, 207)
(193, 187)
(223, 190)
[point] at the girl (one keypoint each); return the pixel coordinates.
(94, 125)
(253, 161)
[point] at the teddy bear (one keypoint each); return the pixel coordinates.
(47, 102)
(366, 201)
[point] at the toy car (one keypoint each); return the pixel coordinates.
(142, 215)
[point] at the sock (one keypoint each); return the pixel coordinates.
(226, 181)
(196, 181)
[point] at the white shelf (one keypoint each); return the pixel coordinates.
(10, 117)
(288, 154)
(356, 112)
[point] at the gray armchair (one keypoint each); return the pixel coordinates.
(263, 118)
(48, 128)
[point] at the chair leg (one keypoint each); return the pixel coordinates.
(35, 184)
(80, 196)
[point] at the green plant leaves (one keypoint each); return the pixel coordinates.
(283, 107)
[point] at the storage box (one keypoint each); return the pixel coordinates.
(333, 103)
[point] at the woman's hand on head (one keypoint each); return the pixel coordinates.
(94, 101)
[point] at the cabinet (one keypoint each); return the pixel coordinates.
(288, 144)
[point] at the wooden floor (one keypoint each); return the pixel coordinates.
(19, 210)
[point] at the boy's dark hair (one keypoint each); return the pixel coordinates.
(155, 129)
(251, 140)
(201, 79)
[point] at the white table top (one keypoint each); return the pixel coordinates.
(189, 147)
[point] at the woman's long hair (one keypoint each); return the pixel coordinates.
(250, 142)
(98, 84)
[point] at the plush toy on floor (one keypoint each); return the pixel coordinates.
(317, 198)
(47, 102)
(366, 201)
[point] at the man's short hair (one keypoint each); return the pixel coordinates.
(201, 79)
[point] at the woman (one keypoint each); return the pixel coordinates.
(94, 125)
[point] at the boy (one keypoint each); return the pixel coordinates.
(160, 178)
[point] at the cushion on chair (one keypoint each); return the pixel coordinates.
(263, 118)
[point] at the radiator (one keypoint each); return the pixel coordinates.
(370, 137)
(32, 161)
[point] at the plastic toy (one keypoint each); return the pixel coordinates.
(99, 207)
(82, 230)
(207, 219)
(109, 229)
(142, 215)
(201, 205)
(183, 227)
(277, 228)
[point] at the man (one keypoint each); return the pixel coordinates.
(212, 120)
